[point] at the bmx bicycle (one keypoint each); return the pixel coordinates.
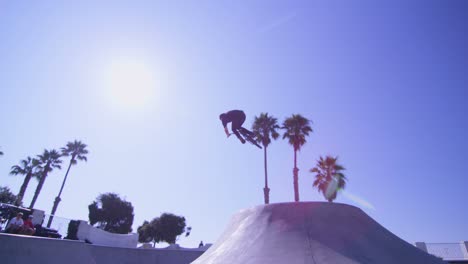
(248, 136)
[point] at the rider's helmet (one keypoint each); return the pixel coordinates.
(222, 116)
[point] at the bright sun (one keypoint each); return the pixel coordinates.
(130, 83)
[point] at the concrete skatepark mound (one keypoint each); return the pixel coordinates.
(309, 232)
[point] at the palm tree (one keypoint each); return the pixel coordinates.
(77, 151)
(329, 178)
(263, 127)
(297, 128)
(48, 160)
(27, 167)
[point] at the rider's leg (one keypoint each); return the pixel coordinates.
(246, 131)
(236, 125)
(238, 135)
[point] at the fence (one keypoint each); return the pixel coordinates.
(60, 224)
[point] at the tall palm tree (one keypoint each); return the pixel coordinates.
(49, 160)
(297, 128)
(263, 127)
(77, 151)
(329, 177)
(28, 167)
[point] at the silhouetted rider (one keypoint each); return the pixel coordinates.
(236, 118)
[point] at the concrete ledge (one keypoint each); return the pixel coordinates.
(27, 249)
(16, 249)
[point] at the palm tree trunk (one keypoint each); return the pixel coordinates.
(19, 197)
(266, 190)
(296, 177)
(57, 199)
(39, 187)
(54, 208)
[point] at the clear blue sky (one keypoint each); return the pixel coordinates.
(385, 86)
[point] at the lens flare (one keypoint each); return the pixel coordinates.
(358, 200)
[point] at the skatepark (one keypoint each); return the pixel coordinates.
(304, 232)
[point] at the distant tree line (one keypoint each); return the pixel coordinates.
(114, 214)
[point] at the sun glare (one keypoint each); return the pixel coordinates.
(130, 84)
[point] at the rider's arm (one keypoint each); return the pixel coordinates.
(225, 122)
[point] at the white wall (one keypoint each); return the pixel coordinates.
(104, 238)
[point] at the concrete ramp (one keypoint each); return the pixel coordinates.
(310, 232)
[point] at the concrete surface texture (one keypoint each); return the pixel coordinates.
(310, 232)
(16, 249)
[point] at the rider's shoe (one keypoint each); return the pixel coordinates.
(242, 140)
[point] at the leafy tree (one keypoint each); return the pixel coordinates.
(49, 160)
(112, 213)
(77, 151)
(27, 167)
(329, 177)
(165, 228)
(297, 128)
(6, 196)
(146, 232)
(170, 226)
(263, 127)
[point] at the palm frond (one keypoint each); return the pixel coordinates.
(329, 178)
(75, 149)
(264, 128)
(297, 129)
(316, 182)
(15, 170)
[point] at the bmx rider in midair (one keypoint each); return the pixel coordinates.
(236, 118)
